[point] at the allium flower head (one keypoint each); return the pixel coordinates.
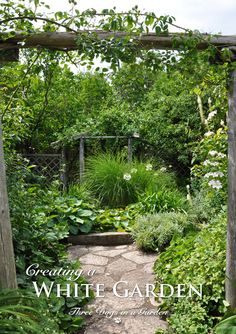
(148, 167)
(163, 169)
(127, 177)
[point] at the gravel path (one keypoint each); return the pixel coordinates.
(116, 314)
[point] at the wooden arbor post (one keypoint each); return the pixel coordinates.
(130, 150)
(230, 283)
(64, 169)
(81, 158)
(7, 258)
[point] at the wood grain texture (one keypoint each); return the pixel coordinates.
(231, 228)
(67, 40)
(7, 258)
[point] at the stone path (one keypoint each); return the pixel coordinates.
(116, 314)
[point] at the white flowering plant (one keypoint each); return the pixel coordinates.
(117, 183)
(209, 169)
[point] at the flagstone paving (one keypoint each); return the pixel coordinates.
(111, 314)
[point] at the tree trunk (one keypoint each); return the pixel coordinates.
(7, 258)
(231, 229)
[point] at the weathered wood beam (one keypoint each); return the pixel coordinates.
(231, 229)
(67, 40)
(7, 259)
(81, 159)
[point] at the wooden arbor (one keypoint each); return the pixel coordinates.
(82, 140)
(66, 41)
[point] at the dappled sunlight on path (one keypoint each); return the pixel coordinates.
(124, 307)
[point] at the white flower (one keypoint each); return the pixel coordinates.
(126, 177)
(213, 153)
(213, 163)
(211, 115)
(215, 184)
(209, 133)
(219, 174)
(214, 174)
(218, 154)
(206, 162)
(148, 167)
(221, 155)
(210, 163)
(163, 169)
(133, 170)
(222, 123)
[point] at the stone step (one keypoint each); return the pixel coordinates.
(102, 239)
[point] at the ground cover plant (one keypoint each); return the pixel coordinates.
(187, 260)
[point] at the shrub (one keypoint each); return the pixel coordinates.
(117, 183)
(156, 231)
(41, 219)
(199, 258)
(205, 207)
(209, 171)
(163, 201)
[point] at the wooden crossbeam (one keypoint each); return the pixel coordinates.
(66, 41)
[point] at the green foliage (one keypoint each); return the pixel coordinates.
(163, 201)
(190, 317)
(117, 183)
(70, 211)
(169, 119)
(203, 207)
(21, 312)
(152, 232)
(226, 326)
(81, 191)
(210, 164)
(43, 101)
(114, 220)
(55, 103)
(205, 251)
(131, 84)
(41, 220)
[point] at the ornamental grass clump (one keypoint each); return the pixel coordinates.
(117, 183)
